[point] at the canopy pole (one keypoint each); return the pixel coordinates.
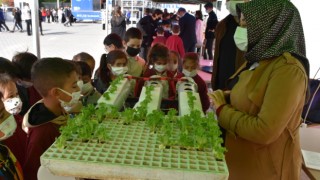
(35, 28)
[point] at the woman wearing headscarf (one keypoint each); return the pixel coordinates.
(263, 114)
(118, 22)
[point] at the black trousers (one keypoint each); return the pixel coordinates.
(208, 49)
(28, 22)
(3, 23)
(18, 25)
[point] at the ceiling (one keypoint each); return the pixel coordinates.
(183, 1)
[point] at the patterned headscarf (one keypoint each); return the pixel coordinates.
(274, 27)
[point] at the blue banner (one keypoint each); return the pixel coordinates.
(82, 5)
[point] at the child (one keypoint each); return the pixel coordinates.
(87, 58)
(113, 65)
(10, 168)
(190, 66)
(112, 42)
(157, 62)
(56, 81)
(174, 64)
(174, 42)
(166, 25)
(90, 95)
(16, 143)
(160, 37)
(132, 43)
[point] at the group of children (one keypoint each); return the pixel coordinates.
(40, 94)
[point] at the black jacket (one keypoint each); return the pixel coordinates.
(187, 25)
(211, 24)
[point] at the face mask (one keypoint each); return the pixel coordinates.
(172, 67)
(75, 99)
(8, 127)
(133, 51)
(87, 87)
(13, 105)
(231, 6)
(24, 84)
(187, 73)
(80, 84)
(160, 68)
(241, 38)
(119, 70)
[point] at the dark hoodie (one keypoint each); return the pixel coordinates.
(42, 130)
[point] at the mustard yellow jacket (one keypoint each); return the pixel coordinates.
(262, 121)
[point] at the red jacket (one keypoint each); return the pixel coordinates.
(159, 39)
(42, 133)
(202, 90)
(151, 72)
(175, 43)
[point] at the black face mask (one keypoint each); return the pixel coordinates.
(133, 51)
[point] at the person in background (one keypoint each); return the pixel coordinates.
(147, 25)
(166, 25)
(174, 64)
(190, 66)
(199, 31)
(48, 15)
(10, 167)
(89, 93)
(118, 22)
(68, 15)
(110, 42)
(263, 117)
(26, 15)
(87, 58)
(2, 20)
(209, 34)
(17, 20)
(160, 37)
(115, 64)
(43, 14)
(187, 24)
(227, 57)
(157, 67)
(132, 43)
(56, 81)
(174, 42)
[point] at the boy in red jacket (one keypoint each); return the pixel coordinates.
(56, 81)
(160, 37)
(174, 42)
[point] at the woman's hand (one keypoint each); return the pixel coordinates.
(218, 98)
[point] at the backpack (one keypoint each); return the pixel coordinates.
(10, 168)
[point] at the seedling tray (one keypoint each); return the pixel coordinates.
(131, 153)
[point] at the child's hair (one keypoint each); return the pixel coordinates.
(85, 68)
(48, 73)
(192, 56)
(24, 61)
(114, 39)
(6, 66)
(158, 51)
(5, 78)
(83, 56)
(175, 29)
(160, 30)
(132, 33)
(104, 71)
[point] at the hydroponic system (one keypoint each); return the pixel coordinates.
(141, 142)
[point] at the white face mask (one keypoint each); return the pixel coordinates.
(80, 84)
(187, 73)
(75, 99)
(13, 105)
(172, 67)
(231, 6)
(8, 127)
(119, 70)
(87, 87)
(160, 68)
(241, 38)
